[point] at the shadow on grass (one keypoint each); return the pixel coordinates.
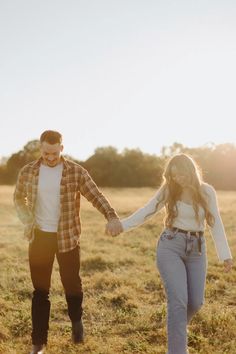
(94, 264)
(98, 264)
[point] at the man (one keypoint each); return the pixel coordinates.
(47, 200)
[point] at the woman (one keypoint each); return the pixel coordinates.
(181, 250)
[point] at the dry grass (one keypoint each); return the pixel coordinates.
(124, 305)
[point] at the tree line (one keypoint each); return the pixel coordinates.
(133, 168)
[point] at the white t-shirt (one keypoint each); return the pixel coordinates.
(47, 210)
(186, 219)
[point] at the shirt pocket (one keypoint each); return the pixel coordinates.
(72, 187)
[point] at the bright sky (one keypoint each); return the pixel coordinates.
(127, 73)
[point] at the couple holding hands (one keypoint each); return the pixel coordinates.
(47, 199)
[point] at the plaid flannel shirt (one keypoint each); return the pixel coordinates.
(74, 182)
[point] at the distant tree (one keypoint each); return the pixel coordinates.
(133, 168)
(103, 165)
(29, 153)
(138, 169)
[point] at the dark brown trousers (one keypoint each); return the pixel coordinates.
(42, 252)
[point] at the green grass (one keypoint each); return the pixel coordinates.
(124, 303)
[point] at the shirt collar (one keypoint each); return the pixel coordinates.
(36, 164)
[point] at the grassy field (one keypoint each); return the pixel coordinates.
(124, 304)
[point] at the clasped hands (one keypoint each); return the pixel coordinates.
(113, 227)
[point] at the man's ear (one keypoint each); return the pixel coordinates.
(62, 147)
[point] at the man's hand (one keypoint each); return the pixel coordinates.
(113, 227)
(228, 264)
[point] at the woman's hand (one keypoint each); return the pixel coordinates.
(228, 264)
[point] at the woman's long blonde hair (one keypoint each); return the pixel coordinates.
(186, 165)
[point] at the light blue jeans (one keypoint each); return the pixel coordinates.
(183, 271)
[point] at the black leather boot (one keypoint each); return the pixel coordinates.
(77, 332)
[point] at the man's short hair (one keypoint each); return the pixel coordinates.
(51, 137)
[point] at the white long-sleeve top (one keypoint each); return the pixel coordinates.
(185, 219)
